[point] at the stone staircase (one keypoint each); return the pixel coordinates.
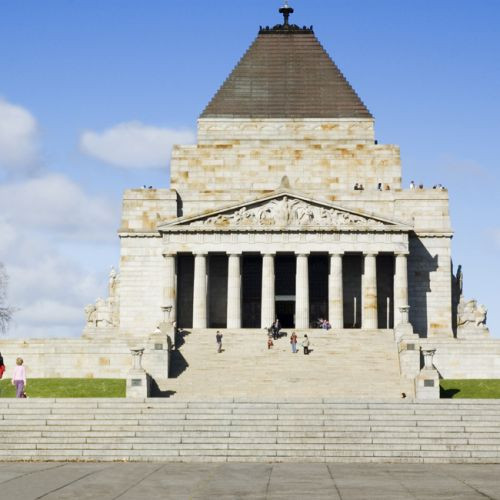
(321, 430)
(342, 364)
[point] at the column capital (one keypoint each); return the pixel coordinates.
(235, 253)
(302, 254)
(271, 254)
(402, 253)
(370, 254)
(201, 253)
(336, 253)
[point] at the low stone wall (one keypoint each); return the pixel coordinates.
(465, 359)
(81, 358)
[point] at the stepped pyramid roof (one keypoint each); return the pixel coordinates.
(286, 73)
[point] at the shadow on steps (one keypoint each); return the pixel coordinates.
(178, 364)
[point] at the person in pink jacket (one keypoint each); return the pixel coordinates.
(19, 378)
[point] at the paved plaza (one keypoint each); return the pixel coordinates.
(58, 481)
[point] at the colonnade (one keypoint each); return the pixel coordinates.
(335, 289)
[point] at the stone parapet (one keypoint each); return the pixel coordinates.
(82, 358)
(143, 209)
(465, 359)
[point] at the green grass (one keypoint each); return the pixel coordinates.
(471, 389)
(67, 388)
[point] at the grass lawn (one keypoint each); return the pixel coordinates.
(471, 389)
(67, 388)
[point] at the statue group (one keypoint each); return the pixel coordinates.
(104, 313)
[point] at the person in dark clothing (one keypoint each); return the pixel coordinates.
(218, 339)
(306, 344)
(276, 329)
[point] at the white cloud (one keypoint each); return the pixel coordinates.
(53, 203)
(57, 243)
(134, 145)
(48, 289)
(19, 147)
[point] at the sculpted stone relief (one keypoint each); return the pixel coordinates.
(471, 314)
(105, 312)
(288, 212)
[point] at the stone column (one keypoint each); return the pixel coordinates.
(234, 291)
(268, 296)
(302, 292)
(400, 286)
(369, 316)
(200, 291)
(169, 292)
(336, 292)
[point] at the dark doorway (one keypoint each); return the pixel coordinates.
(251, 288)
(285, 311)
(385, 290)
(351, 276)
(185, 282)
(285, 266)
(318, 287)
(217, 291)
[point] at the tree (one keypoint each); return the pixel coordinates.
(5, 311)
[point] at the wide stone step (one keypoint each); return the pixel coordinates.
(316, 430)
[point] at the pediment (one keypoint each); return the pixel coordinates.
(284, 211)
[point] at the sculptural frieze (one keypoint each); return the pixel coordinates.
(284, 212)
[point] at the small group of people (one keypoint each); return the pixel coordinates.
(294, 340)
(380, 187)
(439, 187)
(324, 324)
(305, 343)
(18, 378)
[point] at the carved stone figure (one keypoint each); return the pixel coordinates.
(105, 312)
(288, 212)
(471, 319)
(113, 276)
(90, 315)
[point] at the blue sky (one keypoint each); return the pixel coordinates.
(72, 70)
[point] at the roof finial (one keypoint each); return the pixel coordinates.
(286, 10)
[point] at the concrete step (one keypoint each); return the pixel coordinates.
(343, 363)
(318, 430)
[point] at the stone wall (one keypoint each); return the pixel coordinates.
(141, 284)
(465, 359)
(206, 175)
(78, 358)
(429, 286)
(144, 209)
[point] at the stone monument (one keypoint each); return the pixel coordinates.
(287, 206)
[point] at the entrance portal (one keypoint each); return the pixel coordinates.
(285, 269)
(285, 312)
